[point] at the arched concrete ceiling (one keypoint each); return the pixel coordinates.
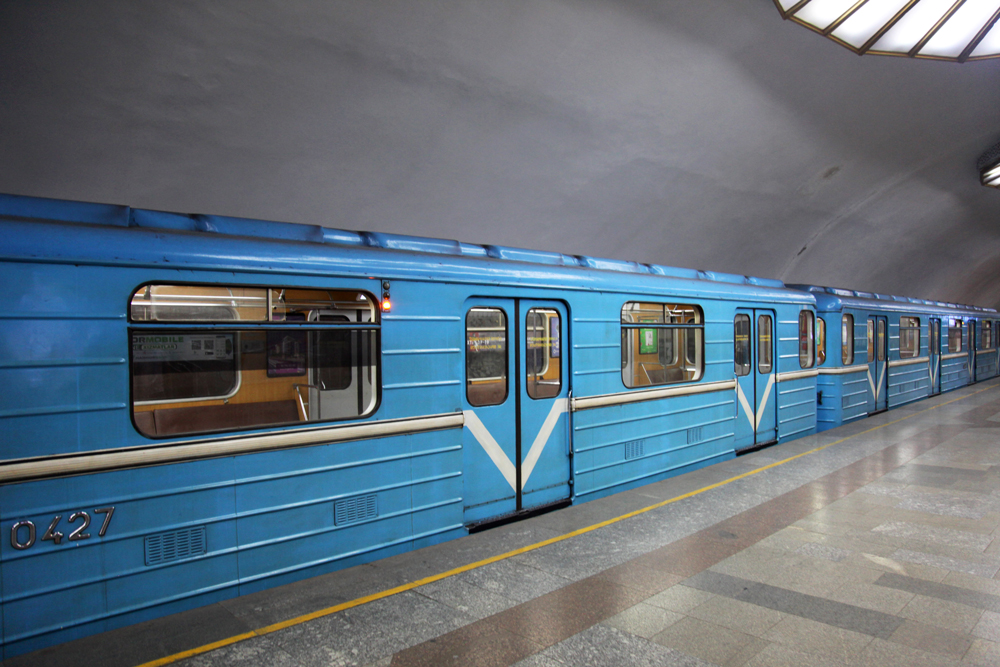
(707, 134)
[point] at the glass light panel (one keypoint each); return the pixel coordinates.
(822, 13)
(872, 21)
(867, 21)
(960, 29)
(198, 303)
(991, 177)
(912, 27)
(990, 46)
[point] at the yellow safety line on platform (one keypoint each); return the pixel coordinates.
(266, 630)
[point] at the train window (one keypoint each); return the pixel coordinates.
(820, 340)
(880, 339)
(250, 357)
(934, 337)
(765, 344)
(987, 329)
(212, 303)
(909, 337)
(955, 336)
(806, 333)
(542, 368)
(486, 356)
(871, 340)
(741, 345)
(653, 338)
(847, 339)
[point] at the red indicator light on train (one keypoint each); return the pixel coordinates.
(386, 303)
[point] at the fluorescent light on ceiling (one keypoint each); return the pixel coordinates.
(989, 167)
(991, 178)
(956, 30)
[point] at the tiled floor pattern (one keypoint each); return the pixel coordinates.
(878, 550)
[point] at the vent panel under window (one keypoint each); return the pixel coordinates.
(634, 449)
(176, 545)
(353, 510)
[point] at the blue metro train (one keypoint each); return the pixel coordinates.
(197, 407)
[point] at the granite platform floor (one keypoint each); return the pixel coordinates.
(872, 544)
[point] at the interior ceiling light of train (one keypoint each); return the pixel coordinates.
(989, 167)
(956, 30)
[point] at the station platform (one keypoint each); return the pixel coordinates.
(871, 544)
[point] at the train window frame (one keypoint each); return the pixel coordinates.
(741, 346)
(505, 327)
(535, 388)
(880, 334)
(820, 341)
(765, 351)
(955, 335)
(986, 334)
(662, 328)
(909, 337)
(271, 311)
(847, 339)
(807, 339)
(871, 339)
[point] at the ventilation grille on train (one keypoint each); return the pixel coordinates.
(694, 435)
(634, 449)
(352, 510)
(176, 545)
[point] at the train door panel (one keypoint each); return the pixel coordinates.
(878, 353)
(544, 470)
(516, 437)
(934, 354)
(757, 403)
(490, 407)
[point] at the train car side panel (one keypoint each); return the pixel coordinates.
(115, 548)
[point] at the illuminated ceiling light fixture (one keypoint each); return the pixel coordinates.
(957, 30)
(989, 167)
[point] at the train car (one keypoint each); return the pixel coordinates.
(199, 407)
(895, 350)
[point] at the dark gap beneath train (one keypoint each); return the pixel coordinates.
(516, 516)
(756, 447)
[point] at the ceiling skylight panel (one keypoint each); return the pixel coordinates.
(913, 26)
(822, 14)
(990, 46)
(942, 29)
(959, 30)
(868, 20)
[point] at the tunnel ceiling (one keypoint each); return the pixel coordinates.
(706, 134)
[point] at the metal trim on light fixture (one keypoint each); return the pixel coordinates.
(961, 34)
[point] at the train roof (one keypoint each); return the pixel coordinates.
(35, 209)
(836, 298)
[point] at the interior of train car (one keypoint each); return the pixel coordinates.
(216, 358)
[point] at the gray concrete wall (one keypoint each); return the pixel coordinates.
(706, 134)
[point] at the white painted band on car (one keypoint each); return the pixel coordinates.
(844, 370)
(174, 452)
(797, 375)
(588, 402)
(907, 362)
